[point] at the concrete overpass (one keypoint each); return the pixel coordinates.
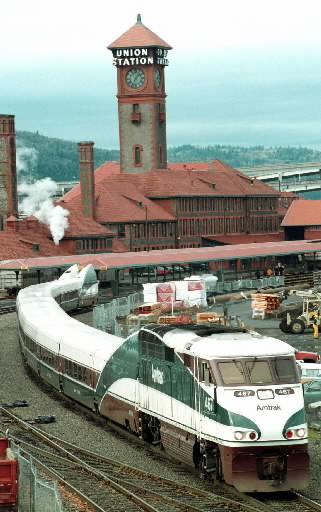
(294, 177)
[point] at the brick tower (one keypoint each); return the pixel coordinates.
(8, 173)
(87, 180)
(140, 57)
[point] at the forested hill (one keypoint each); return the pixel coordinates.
(39, 156)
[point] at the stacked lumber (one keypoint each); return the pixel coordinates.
(148, 308)
(265, 302)
(172, 319)
(209, 317)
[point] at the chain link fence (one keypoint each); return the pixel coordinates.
(34, 493)
(107, 317)
(110, 317)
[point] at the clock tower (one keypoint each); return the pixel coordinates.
(140, 57)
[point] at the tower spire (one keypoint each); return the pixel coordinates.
(139, 20)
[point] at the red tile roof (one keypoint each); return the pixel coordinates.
(28, 238)
(15, 244)
(303, 212)
(118, 200)
(104, 170)
(138, 36)
(80, 225)
(118, 196)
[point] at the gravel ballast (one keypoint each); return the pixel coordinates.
(17, 384)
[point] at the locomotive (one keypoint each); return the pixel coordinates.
(227, 401)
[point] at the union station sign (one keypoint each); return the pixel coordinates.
(140, 56)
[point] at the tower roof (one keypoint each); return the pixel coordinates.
(138, 36)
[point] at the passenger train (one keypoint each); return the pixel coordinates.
(227, 401)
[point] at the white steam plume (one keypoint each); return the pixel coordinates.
(38, 202)
(26, 159)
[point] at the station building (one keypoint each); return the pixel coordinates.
(143, 202)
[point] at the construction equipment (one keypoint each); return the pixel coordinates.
(305, 315)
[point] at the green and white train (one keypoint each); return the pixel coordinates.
(227, 401)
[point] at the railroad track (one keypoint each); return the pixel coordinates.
(288, 502)
(7, 309)
(106, 484)
(158, 494)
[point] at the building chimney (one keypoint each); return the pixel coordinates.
(8, 172)
(12, 223)
(87, 179)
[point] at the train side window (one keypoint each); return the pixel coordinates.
(151, 345)
(205, 375)
(169, 354)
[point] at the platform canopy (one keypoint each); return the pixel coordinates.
(167, 257)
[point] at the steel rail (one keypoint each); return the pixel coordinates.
(88, 483)
(142, 483)
(7, 309)
(149, 491)
(288, 502)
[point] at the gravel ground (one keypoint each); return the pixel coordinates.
(16, 384)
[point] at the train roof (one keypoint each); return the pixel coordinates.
(220, 342)
(44, 321)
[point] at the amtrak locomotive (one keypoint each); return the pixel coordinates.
(227, 401)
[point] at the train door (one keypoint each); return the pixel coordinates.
(144, 381)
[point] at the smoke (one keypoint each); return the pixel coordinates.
(27, 161)
(38, 201)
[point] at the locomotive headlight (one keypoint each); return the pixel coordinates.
(239, 436)
(294, 434)
(300, 432)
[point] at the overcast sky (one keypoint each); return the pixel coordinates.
(241, 72)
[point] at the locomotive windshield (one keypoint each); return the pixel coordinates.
(258, 372)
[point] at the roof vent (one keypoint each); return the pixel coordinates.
(188, 346)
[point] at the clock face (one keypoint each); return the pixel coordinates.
(135, 78)
(157, 78)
